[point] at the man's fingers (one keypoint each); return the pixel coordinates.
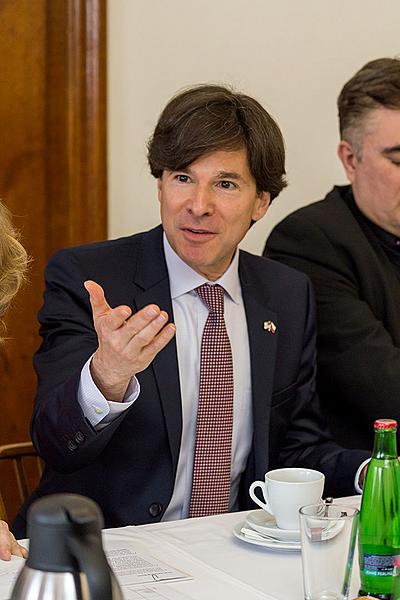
(149, 315)
(113, 318)
(98, 301)
(159, 342)
(143, 325)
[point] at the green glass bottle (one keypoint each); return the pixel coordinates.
(379, 532)
(396, 582)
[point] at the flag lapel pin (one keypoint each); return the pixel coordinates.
(269, 326)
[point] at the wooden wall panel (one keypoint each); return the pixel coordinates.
(76, 118)
(52, 162)
(23, 189)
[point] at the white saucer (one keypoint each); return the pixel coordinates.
(270, 544)
(263, 522)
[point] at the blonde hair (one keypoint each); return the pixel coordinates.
(13, 262)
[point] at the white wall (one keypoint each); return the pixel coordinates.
(292, 55)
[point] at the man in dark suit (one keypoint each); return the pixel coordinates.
(115, 415)
(349, 245)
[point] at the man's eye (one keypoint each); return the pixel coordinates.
(227, 185)
(183, 178)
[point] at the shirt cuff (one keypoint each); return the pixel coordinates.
(97, 409)
(357, 477)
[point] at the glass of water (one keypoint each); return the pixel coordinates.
(328, 540)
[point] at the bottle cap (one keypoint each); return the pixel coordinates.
(385, 424)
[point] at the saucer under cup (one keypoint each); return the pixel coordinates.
(265, 523)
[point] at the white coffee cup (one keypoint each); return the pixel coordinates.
(285, 491)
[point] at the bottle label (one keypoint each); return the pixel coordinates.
(379, 566)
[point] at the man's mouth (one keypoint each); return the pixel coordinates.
(197, 231)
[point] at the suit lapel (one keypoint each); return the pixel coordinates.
(263, 348)
(152, 284)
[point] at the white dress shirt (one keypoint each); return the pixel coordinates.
(190, 315)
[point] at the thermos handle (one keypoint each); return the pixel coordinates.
(93, 563)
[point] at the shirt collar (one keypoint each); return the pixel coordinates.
(391, 241)
(184, 279)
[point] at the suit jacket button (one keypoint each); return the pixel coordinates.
(72, 445)
(79, 437)
(155, 509)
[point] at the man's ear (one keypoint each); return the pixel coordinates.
(348, 158)
(262, 205)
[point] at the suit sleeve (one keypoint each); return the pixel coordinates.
(357, 358)
(61, 433)
(308, 441)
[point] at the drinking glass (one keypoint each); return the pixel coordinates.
(328, 540)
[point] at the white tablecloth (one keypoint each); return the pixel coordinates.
(222, 566)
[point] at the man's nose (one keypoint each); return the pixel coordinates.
(201, 201)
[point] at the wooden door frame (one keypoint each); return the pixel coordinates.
(54, 176)
(76, 136)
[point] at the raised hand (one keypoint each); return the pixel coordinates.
(127, 342)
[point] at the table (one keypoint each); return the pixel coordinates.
(222, 566)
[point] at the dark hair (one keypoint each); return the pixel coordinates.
(376, 84)
(206, 118)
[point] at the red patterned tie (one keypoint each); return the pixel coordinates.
(212, 457)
